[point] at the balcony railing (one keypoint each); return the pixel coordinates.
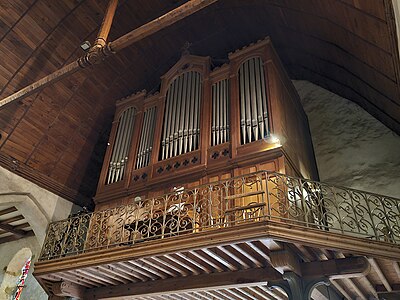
(231, 202)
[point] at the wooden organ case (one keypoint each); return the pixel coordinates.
(205, 125)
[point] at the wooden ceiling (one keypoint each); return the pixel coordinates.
(152, 277)
(13, 225)
(58, 136)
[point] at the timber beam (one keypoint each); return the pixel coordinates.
(101, 49)
(11, 229)
(336, 268)
(223, 280)
(285, 260)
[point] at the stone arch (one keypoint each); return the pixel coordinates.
(30, 209)
(13, 272)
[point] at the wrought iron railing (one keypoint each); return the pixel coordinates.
(249, 198)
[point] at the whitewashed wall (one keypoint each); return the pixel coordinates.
(352, 148)
(39, 207)
(32, 288)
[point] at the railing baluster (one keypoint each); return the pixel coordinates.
(230, 202)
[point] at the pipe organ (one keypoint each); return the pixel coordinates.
(119, 155)
(207, 124)
(220, 112)
(182, 114)
(253, 101)
(146, 138)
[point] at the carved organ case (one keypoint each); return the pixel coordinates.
(205, 125)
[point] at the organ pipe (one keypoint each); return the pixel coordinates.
(253, 101)
(119, 156)
(220, 113)
(146, 138)
(182, 115)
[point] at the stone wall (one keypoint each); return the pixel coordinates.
(32, 289)
(39, 207)
(352, 148)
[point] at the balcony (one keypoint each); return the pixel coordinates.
(289, 202)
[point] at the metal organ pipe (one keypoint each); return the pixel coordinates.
(119, 156)
(146, 138)
(197, 110)
(253, 101)
(182, 115)
(220, 113)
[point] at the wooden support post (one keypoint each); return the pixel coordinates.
(106, 25)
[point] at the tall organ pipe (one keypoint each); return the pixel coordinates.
(117, 147)
(127, 145)
(153, 125)
(182, 115)
(213, 133)
(253, 101)
(146, 138)
(220, 112)
(119, 155)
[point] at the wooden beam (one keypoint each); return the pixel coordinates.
(11, 229)
(8, 210)
(106, 24)
(16, 237)
(336, 268)
(42, 83)
(285, 261)
(337, 285)
(355, 288)
(397, 269)
(162, 22)
(381, 289)
(99, 53)
(222, 280)
(382, 276)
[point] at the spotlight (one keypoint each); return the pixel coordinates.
(85, 45)
(274, 139)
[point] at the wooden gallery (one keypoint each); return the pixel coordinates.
(209, 189)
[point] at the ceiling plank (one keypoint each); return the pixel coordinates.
(382, 276)
(223, 280)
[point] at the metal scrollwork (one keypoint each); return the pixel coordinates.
(231, 202)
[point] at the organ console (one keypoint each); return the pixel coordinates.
(207, 124)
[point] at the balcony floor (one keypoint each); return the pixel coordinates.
(129, 271)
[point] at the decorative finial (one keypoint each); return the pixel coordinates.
(185, 48)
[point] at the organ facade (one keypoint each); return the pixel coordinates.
(206, 124)
(208, 190)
